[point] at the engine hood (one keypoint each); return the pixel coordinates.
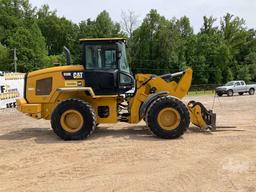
(224, 87)
(56, 69)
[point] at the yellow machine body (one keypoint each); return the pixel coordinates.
(45, 89)
(41, 106)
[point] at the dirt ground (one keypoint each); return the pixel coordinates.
(126, 157)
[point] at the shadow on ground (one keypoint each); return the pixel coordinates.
(195, 129)
(46, 135)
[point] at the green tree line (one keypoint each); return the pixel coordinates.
(222, 50)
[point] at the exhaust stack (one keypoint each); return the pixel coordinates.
(68, 57)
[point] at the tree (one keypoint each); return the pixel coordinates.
(129, 22)
(30, 45)
(160, 45)
(58, 32)
(208, 27)
(218, 53)
(146, 41)
(18, 21)
(243, 73)
(4, 58)
(87, 29)
(105, 27)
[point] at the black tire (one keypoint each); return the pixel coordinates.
(167, 102)
(230, 93)
(241, 93)
(251, 91)
(87, 113)
(219, 94)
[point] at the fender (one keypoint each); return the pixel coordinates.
(149, 100)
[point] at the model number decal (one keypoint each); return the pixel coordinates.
(69, 75)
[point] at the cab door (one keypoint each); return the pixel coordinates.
(237, 87)
(243, 86)
(101, 68)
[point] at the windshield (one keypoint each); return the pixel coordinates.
(101, 56)
(231, 83)
(124, 67)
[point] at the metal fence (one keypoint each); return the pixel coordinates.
(204, 88)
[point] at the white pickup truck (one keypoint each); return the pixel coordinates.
(232, 87)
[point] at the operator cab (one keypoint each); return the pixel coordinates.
(106, 67)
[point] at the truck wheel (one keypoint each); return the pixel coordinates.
(168, 118)
(230, 93)
(241, 93)
(219, 94)
(73, 119)
(251, 91)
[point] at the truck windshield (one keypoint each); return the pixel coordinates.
(229, 83)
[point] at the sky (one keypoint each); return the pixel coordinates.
(78, 10)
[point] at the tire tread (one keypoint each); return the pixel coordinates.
(56, 126)
(156, 130)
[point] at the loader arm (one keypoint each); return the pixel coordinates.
(151, 86)
(148, 84)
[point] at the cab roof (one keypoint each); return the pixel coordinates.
(115, 39)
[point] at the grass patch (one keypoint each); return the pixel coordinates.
(201, 93)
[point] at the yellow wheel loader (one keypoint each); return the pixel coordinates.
(102, 90)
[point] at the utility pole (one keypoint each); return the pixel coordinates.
(15, 60)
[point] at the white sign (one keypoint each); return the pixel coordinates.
(11, 87)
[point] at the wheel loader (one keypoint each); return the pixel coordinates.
(76, 98)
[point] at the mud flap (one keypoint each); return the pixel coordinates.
(201, 117)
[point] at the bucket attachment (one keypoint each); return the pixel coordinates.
(201, 117)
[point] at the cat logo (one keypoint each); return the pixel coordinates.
(71, 75)
(78, 75)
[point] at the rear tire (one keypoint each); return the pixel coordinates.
(73, 119)
(230, 93)
(168, 118)
(219, 94)
(251, 91)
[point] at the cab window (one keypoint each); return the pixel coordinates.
(237, 83)
(100, 57)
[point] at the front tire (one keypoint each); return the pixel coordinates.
(230, 93)
(73, 119)
(168, 118)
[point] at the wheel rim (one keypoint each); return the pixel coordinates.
(168, 118)
(71, 121)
